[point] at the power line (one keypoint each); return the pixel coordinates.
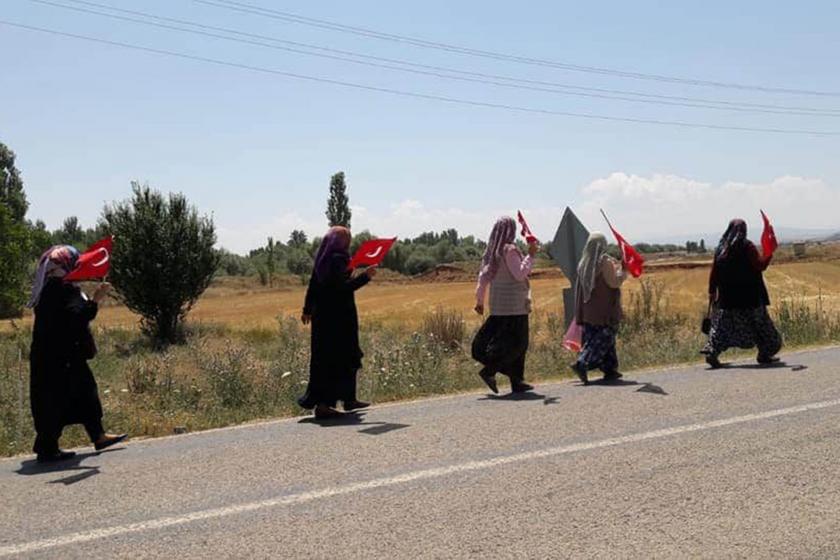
(422, 43)
(413, 94)
(435, 71)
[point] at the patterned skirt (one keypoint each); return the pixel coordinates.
(598, 348)
(743, 328)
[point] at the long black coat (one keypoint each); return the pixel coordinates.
(336, 354)
(62, 388)
(737, 280)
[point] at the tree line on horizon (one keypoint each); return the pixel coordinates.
(166, 255)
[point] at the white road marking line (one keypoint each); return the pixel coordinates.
(313, 495)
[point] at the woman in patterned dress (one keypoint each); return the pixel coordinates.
(598, 309)
(738, 295)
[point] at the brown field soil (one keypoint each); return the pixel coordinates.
(240, 304)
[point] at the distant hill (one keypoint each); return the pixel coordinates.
(784, 234)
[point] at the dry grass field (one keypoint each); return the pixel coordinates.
(407, 303)
(241, 304)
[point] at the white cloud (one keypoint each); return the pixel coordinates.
(242, 238)
(658, 207)
(665, 206)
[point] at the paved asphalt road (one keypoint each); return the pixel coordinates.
(736, 463)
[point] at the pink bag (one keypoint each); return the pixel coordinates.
(574, 337)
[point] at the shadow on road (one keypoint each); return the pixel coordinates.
(383, 428)
(527, 396)
(86, 473)
(614, 382)
(355, 419)
(653, 389)
(32, 467)
(777, 365)
(346, 419)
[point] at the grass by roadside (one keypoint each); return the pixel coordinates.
(224, 376)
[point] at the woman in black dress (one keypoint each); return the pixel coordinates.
(331, 308)
(62, 388)
(739, 297)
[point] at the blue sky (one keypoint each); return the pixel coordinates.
(257, 150)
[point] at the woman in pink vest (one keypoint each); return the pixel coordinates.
(502, 342)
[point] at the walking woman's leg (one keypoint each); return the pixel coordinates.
(609, 363)
(585, 359)
(350, 401)
(767, 336)
(516, 370)
(482, 352)
(44, 399)
(718, 334)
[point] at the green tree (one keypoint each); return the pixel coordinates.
(338, 205)
(40, 239)
(299, 262)
(70, 233)
(271, 260)
(163, 258)
(360, 238)
(232, 264)
(298, 239)
(420, 261)
(11, 185)
(14, 236)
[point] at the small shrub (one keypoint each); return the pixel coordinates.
(800, 323)
(142, 374)
(230, 372)
(445, 326)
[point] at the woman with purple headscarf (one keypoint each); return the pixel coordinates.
(330, 306)
(62, 388)
(502, 342)
(739, 299)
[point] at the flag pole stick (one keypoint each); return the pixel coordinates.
(605, 217)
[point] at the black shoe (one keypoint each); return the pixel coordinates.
(55, 457)
(713, 361)
(350, 406)
(521, 387)
(580, 372)
(612, 375)
(489, 380)
(99, 446)
(327, 413)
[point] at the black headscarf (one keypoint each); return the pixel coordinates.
(734, 239)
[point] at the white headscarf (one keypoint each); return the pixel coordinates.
(590, 263)
(56, 262)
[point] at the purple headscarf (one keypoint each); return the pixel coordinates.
(503, 234)
(336, 242)
(56, 262)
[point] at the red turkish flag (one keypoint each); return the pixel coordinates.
(768, 237)
(372, 253)
(95, 263)
(633, 261)
(526, 231)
